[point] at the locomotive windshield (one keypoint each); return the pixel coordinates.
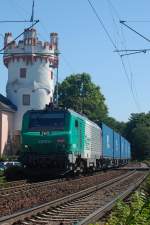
(47, 121)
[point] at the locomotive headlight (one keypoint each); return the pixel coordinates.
(26, 146)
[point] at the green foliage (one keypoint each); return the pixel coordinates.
(78, 92)
(137, 131)
(2, 179)
(146, 187)
(119, 215)
(1, 173)
(135, 213)
(141, 142)
(116, 125)
(4, 158)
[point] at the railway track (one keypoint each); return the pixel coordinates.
(17, 187)
(82, 207)
(16, 199)
(25, 187)
(12, 184)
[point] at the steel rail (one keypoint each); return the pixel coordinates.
(26, 186)
(16, 188)
(38, 209)
(95, 216)
(19, 188)
(15, 184)
(11, 184)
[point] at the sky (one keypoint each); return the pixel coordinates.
(85, 47)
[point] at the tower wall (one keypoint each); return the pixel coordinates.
(31, 66)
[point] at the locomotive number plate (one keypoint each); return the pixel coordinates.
(44, 141)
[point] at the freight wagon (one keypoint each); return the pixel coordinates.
(64, 139)
(116, 148)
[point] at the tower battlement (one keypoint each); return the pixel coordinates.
(31, 67)
(31, 48)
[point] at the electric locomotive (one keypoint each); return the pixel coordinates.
(68, 141)
(60, 138)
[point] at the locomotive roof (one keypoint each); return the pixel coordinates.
(84, 117)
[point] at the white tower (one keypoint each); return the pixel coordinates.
(31, 65)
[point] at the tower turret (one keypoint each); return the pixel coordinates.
(54, 40)
(31, 64)
(8, 38)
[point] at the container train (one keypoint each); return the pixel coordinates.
(67, 140)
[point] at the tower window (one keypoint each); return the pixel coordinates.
(51, 75)
(26, 99)
(23, 72)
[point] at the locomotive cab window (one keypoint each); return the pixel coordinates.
(76, 123)
(47, 121)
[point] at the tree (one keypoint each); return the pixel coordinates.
(79, 93)
(137, 131)
(114, 124)
(141, 142)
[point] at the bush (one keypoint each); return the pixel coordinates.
(135, 213)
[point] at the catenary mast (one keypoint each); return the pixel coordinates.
(31, 66)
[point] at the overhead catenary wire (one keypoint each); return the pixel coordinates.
(107, 33)
(130, 28)
(32, 20)
(138, 21)
(135, 21)
(19, 7)
(120, 35)
(133, 86)
(135, 99)
(102, 24)
(12, 4)
(63, 57)
(114, 45)
(134, 51)
(44, 34)
(15, 21)
(18, 36)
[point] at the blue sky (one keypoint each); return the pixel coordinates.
(85, 47)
